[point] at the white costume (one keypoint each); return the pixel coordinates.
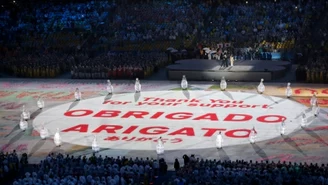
(223, 84)
(95, 146)
(316, 110)
(109, 87)
(40, 103)
(261, 87)
(160, 146)
(231, 60)
(313, 100)
(44, 133)
(219, 140)
(77, 94)
(23, 124)
(25, 114)
(252, 136)
(137, 86)
(184, 83)
(208, 52)
(289, 91)
(282, 127)
(303, 122)
(57, 138)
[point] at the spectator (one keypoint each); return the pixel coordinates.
(9, 166)
(176, 165)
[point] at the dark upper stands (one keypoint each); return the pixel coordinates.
(48, 39)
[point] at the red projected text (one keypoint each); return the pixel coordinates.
(173, 116)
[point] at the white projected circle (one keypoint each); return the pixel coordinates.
(184, 119)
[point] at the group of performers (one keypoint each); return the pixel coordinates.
(316, 75)
(221, 54)
(101, 72)
(25, 115)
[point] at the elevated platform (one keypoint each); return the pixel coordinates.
(243, 70)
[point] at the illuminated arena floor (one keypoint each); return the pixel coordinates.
(129, 124)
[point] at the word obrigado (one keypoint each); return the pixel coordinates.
(233, 117)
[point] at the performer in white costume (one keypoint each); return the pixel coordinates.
(95, 146)
(160, 146)
(231, 60)
(252, 136)
(316, 109)
(44, 133)
(289, 91)
(261, 87)
(137, 86)
(223, 84)
(77, 94)
(23, 124)
(303, 122)
(109, 87)
(184, 83)
(40, 103)
(219, 140)
(283, 127)
(313, 100)
(25, 114)
(57, 138)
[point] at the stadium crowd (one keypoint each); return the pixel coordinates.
(46, 40)
(69, 170)
(196, 171)
(315, 67)
(37, 65)
(264, 26)
(37, 40)
(160, 20)
(11, 165)
(263, 21)
(122, 65)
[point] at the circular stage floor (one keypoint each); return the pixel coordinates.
(129, 124)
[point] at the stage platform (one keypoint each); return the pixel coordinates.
(243, 70)
(188, 121)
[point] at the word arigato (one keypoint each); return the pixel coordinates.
(158, 130)
(172, 116)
